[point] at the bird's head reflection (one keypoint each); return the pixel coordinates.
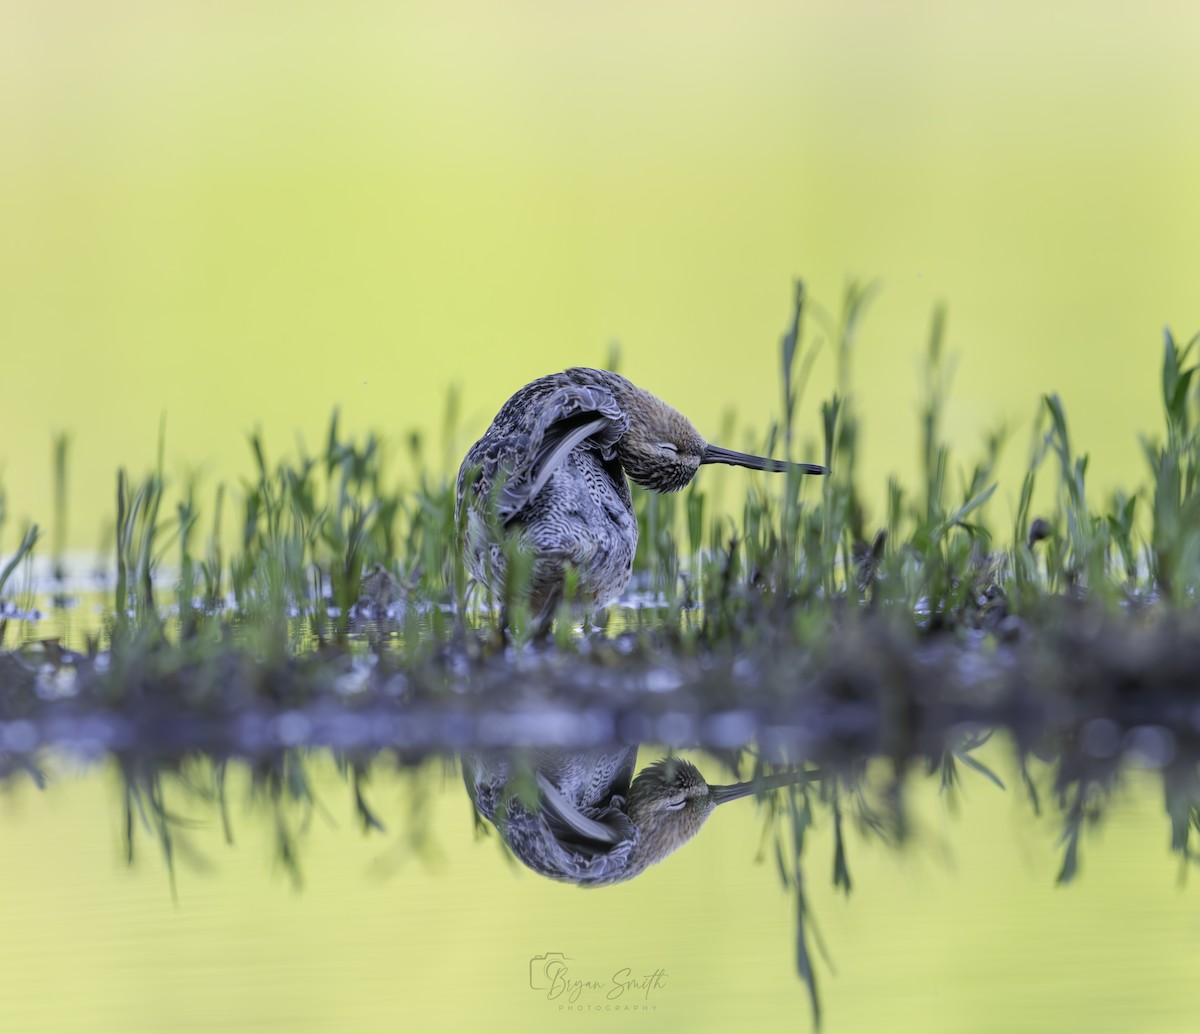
(589, 824)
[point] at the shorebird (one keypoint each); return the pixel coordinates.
(590, 824)
(551, 471)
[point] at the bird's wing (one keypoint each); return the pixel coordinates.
(569, 416)
(587, 836)
(570, 824)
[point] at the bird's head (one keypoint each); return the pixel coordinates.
(662, 451)
(670, 800)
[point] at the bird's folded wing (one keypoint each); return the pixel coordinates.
(572, 415)
(572, 826)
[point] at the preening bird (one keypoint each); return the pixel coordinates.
(592, 822)
(551, 471)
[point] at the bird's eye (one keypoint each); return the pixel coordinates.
(668, 446)
(677, 803)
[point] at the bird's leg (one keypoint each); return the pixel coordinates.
(543, 621)
(595, 620)
(503, 632)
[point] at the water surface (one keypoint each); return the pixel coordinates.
(964, 929)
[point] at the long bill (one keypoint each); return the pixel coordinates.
(715, 454)
(724, 794)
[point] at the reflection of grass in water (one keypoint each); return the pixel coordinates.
(336, 572)
(168, 803)
(176, 812)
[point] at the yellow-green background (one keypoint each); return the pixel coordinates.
(247, 213)
(240, 214)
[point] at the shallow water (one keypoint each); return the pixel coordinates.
(280, 902)
(963, 929)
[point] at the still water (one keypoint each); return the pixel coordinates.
(427, 925)
(311, 910)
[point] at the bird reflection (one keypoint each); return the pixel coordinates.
(584, 818)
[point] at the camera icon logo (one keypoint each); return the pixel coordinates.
(543, 967)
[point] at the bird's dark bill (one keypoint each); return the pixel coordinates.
(724, 794)
(715, 454)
